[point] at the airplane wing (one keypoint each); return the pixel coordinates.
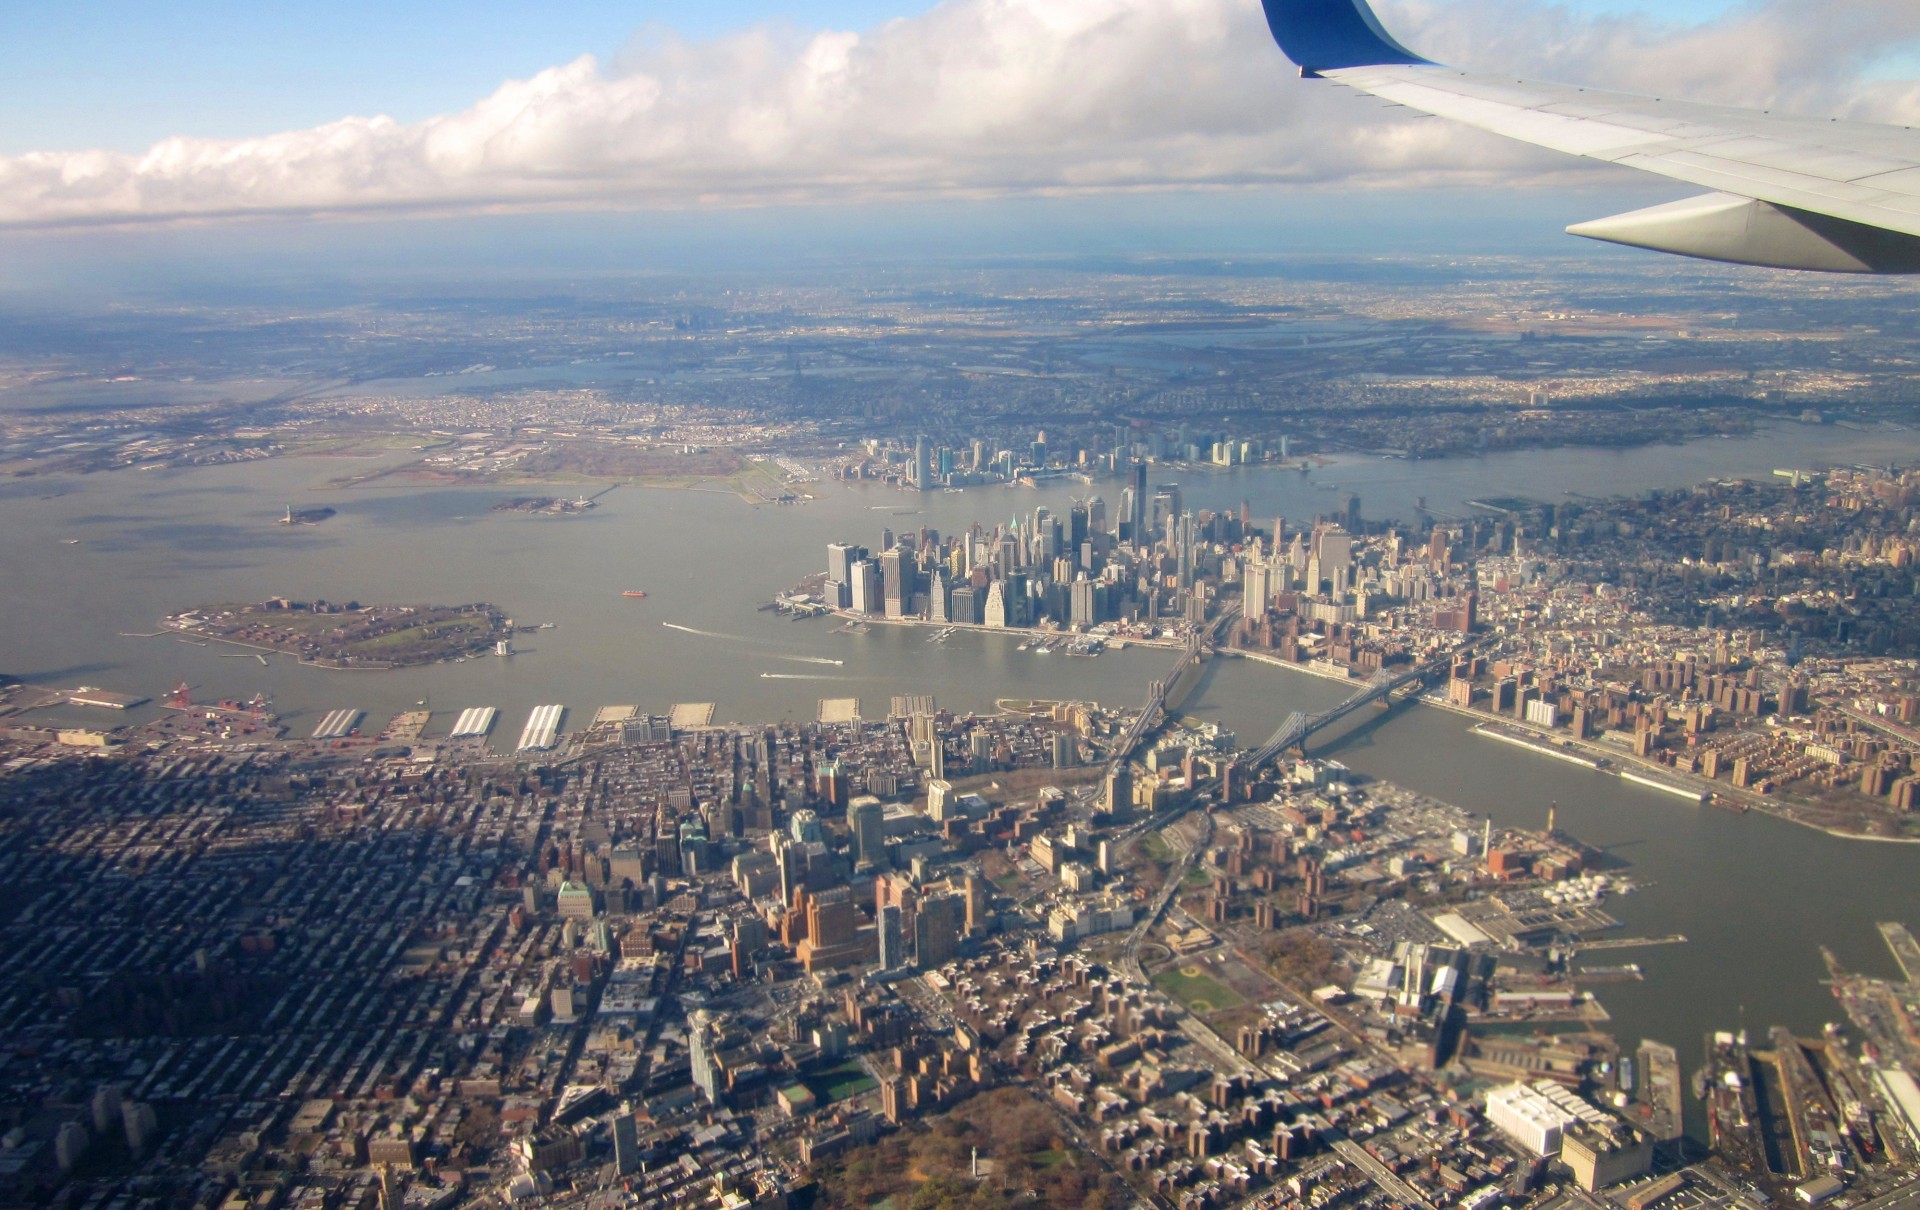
(1787, 192)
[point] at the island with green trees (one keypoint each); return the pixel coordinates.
(351, 635)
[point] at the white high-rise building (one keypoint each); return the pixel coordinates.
(1537, 1115)
(701, 1038)
(995, 615)
(939, 799)
(1256, 588)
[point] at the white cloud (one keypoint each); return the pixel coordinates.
(973, 97)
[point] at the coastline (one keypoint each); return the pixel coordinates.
(1261, 657)
(299, 660)
(1624, 761)
(847, 615)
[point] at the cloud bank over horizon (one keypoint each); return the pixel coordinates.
(973, 98)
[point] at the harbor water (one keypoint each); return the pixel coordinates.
(102, 558)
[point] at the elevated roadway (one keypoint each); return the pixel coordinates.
(1153, 713)
(1397, 1190)
(1300, 726)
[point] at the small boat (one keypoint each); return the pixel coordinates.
(635, 594)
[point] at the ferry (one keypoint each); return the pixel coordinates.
(636, 594)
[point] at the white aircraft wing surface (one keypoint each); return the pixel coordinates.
(1789, 192)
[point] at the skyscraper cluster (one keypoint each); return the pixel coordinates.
(925, 463)
(1153, 559)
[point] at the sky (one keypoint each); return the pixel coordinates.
(219, 111)
(123, 74)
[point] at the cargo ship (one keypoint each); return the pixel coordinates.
(635, 594)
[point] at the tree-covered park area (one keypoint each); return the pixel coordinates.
(1024, 1154)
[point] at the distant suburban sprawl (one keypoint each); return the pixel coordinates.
(1312, 733)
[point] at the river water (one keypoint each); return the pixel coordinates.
(1756, 896)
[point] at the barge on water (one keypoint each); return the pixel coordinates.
(1697, 797)
(1533, 743)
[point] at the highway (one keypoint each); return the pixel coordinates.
(1907, 1197)
(1229, 1061)
(1176, 874)
(1381, 1175)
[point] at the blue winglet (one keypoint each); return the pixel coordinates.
(1322, 35)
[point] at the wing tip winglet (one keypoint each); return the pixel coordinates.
(1326, 35)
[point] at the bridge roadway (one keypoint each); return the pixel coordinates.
(1299, 726)
(1150, 714)
(1153, 713)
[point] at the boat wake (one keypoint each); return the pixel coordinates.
(753, 642)
(802, 676)
(707, 634)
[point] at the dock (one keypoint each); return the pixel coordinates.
(542, 730)
(1659, 1092)
(1733, 1108)
(475, 723)
(839, 710)
(407, 726)
(910, 704)
(1807, 1110)
(1627, 943)
(338, 724)
(1906, 951)
(86, 695)
(690, 716)
(614, 716)
(797, 607)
